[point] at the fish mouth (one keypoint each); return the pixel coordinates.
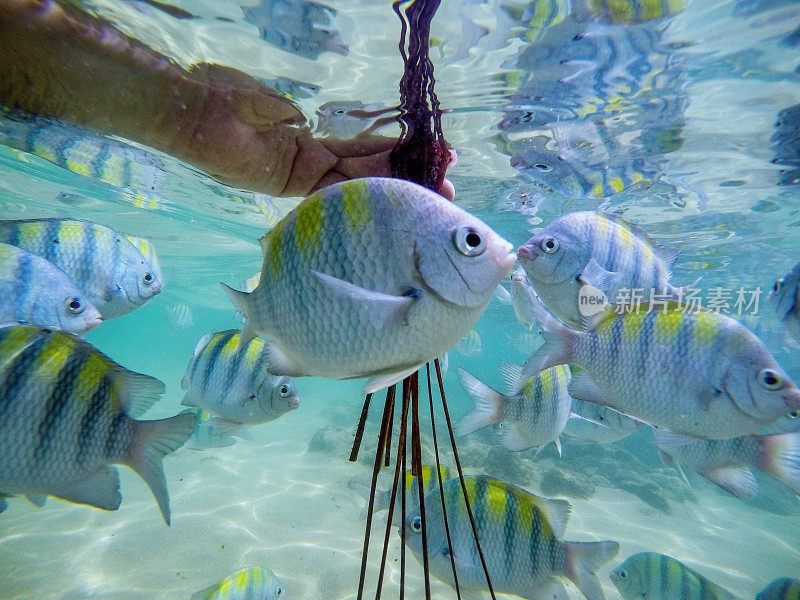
(93, 322)
(293, 403)
(525, 252)
(504, 257)
(792, 398)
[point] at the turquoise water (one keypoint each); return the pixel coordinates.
(699, 100)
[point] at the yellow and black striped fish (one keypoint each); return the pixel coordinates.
(67, 414)
(657, 576)
(519, 535)
(783, 588)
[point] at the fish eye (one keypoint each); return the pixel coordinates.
(623, 574)
(468, 241)
(549, 245)
(776, 287)
(75, 306)
(769, 379)
(278, 592)
(416, 524)
(147, 278)
(543, 167)
(793, 415)
(446, 551)
(284, 390)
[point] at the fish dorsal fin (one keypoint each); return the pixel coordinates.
(201, 343)
(512, 378)
(557, 511)
(668, 254)
(206, 593)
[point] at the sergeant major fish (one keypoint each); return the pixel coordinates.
(67, 413)
(519, 534)
(32, 290)
(727, 463)
(112, 272)
(598, 249)
(255, 583)
(370, 278)
(536, 408)
(234, 384)
(653, 576)
(698, 373)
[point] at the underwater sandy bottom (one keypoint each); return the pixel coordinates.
(273, 502)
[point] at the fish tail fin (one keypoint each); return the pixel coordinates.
(381, 501)
(583, 559)
(557, 337)
(488, 404)
(153, 440)
(779, 457)
(206, 593)
(242, 301)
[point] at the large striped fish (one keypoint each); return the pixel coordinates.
(597, 249)
(371, 278)
(234, 384)
(35, 291)
(116, 272)
(783, 588)
(535, 409)
(67, 413)
(520, 535)
(693, 372)
(727, 463)
(653, 576)
(83, 151)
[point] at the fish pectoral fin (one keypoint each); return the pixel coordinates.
(217, 426)
(280, 364)
(101, 490)
(36, 499)
(558, 511)
(383, 380)
(380, 308)
(512, 439)
(734, 479)
(665, 437)
(596, 276)
(583, 387)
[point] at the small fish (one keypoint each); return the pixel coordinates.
(536, 409)
(180, 315)
(33, 290)
(784, 297)
(653, 576)
(521, 295)
(470, 345)
(234, 384)
(597, 249)
(600, 424)
(112, 271)
(783, 588)
(632, 11)
(298, 26)
(376, 263)
(520, 535)
(698, 373)
(727, 463)
(255, 583)
(383, 498)
(347, 119)
(67, 413)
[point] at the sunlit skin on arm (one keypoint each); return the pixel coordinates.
(60, 62)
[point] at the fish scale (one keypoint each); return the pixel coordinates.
(783, 588)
